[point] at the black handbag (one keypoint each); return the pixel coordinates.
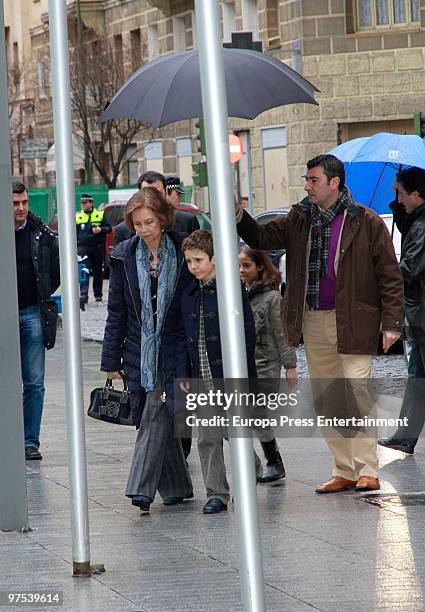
(110, 405)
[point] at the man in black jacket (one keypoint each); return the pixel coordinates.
(409, 216)
(184, 222)
(37, 264)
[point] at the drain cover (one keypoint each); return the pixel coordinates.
(385, 500)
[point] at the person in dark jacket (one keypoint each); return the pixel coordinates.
(272, 351)
(147, 274)
(185, 222)
(343, 287)
(92, 227)
(37, 265)
(409, 216)
(202, 358)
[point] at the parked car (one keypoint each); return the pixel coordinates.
(276, 255)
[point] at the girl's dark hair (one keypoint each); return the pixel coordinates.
(149, 198)
(269, 275)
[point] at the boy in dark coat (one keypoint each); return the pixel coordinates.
(203, 359)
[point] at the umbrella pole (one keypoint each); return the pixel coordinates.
(229, 292)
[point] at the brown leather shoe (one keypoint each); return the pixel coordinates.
(336, 484)
(367, 483)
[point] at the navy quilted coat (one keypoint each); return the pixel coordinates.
(189, 306)
(121, 344)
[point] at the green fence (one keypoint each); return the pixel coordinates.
(43, 202)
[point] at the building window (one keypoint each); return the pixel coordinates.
(272, 23)
(184, 160)
(250, 17)
(132, 164)
(377, 14)
(275, 167)
(136, 49)
(41, 78)
(179, 34)
(118, 54)
(153, 42)
(229, 19)
(153, 156)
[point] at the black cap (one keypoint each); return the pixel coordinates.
(86, 197)
(173, 182)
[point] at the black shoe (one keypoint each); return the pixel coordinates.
(214, 505)
(273, 472)
(98, 299)
(142, 502)
(32, 454)
(172, 501)
(396, 444)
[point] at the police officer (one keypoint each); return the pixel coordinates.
(92, 228)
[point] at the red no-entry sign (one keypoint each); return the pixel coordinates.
(236, 148)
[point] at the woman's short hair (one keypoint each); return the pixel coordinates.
(149, 197)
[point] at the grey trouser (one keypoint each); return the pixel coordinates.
(210, 448)
(158, 459)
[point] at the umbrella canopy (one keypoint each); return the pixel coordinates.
(168, 89)
(371, 164)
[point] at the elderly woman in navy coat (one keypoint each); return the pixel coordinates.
(147, 274)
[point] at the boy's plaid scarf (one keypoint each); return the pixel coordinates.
(320, 236)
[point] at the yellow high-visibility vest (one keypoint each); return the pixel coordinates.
(95, 217)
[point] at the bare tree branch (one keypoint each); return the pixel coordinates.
(95, 79)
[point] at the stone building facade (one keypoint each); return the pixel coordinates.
(366, 58)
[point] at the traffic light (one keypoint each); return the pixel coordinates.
(419, 124)
(200, 174)
(200, 137)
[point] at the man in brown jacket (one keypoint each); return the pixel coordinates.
(343, 287)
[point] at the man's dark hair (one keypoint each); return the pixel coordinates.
(18, 187)
(412, 179)
(332, 167)
(151, 177)
(199, 239)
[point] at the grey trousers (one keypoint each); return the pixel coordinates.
(158, 459)
(210, 448)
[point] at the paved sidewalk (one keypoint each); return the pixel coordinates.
(333, 553)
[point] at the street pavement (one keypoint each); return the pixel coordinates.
(330, 553)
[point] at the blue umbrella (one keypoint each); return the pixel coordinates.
(371, 164)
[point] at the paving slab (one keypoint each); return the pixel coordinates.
(330, 553)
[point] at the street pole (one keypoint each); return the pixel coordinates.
(70, 290)
(232, 333)
(13, 486)
(82, 87)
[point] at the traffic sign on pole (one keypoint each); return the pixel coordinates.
(236, 148)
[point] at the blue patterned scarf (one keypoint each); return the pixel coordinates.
(151, 336)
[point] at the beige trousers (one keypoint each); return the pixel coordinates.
(354, 456)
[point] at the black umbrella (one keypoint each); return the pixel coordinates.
(168, 89)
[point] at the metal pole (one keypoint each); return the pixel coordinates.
(229, 293)
(70, 290)
(82, 86)
(13, 486)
